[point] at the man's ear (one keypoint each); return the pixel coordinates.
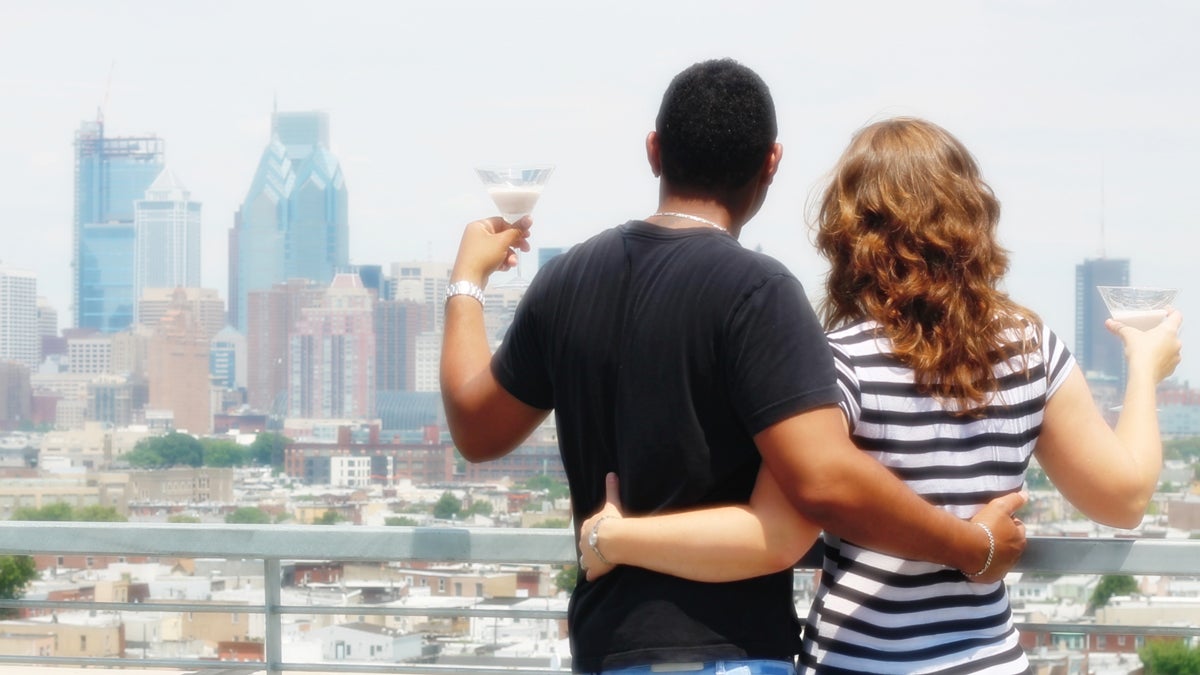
(654, 154)
(771, 164)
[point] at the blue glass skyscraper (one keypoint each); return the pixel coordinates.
(110, 174)
(293, 222)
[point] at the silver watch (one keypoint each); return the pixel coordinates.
(464, 288)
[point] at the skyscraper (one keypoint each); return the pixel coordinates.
(110, 174)
(273, 314)
(397, 325)
(293, 223)
(1097, 350)
(177, 368)
(331, 355)
(166, 237)
(19, 340)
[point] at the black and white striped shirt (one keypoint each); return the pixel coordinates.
(875, 613)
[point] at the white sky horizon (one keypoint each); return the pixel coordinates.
(1080, 113)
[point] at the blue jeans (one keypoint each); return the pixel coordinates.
(741, 667)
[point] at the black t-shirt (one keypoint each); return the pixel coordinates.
(662, 353)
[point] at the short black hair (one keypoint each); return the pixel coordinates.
(715, 127)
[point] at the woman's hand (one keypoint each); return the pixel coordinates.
(589, 561)
(1156, 350)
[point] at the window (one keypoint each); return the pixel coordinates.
(441, 585)
(82, 643)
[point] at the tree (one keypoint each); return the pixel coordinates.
(565, 579)
(182, 518)
(16, 571)
(98, 514)
(58, 511)
(173, 449)
(330, 517)
(400, 521)
(543, 483)
(267, 449)
(1110, 585)
(447, 507)
(224, 453)
(64, 512)
(483, 508)
(1169, 657)
(553, 524)
(248, 515)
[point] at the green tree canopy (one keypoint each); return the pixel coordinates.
(248, 515)
(565, 579)
(16, 571)
(447, 507)
(219, 452)
(400, 521)
(1169, 657)
(182, 518)
(554, 489)
(553, 524)
(173, 449)
(64, 512)
(1110, 585)
(482, 507)
(267, 449)
(330, 517)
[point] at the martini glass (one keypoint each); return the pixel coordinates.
(1138, 306)
(515, 189)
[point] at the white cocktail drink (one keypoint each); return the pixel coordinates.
(514, 202)
(1141, 319)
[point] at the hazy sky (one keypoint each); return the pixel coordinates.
(1079, 113)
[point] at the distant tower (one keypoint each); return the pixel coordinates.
(397, 325)
(293, 223)
(19, 340)
(177, 368)
(273, 314)
(227, 359)
(110, 175)
(167, 237)
(1097, 350)
(331, 355)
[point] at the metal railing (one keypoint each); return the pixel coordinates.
(274, 544)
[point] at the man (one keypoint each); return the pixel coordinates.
(682, 362)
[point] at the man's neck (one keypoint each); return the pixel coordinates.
(684, 212)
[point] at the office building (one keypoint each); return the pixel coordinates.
(423, 282)
(397, 325)
(227, 359)
(110, 175)
(19, 339)
(205, 304)
(273, 314)
(331, 355)
(166, 238)
(1098, 351)
(177, 369)
(293, 223)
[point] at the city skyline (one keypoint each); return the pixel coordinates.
(1078, 116)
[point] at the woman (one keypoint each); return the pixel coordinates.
(949, 383)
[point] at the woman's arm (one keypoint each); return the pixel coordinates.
(1110, 474)
(723, 543)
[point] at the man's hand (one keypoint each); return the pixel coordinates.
(1008, 532)
(489, 245)
(588, 560)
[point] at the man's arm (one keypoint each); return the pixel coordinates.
(848, 493)
(485, 420)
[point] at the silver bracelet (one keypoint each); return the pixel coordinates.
(594, 539)
(991, 551)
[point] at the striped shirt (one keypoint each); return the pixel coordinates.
(876, 613)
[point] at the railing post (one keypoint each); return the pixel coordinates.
(273, 639)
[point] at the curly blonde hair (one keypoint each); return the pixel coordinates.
(909, 228)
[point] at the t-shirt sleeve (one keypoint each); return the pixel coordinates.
(780, 363)
(1058, 359)
(847, 380)
(520, 364)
